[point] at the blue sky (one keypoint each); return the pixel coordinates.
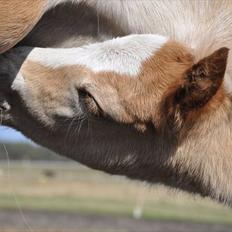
(10, 135)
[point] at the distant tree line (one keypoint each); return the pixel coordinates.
(26, 151)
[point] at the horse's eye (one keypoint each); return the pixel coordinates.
(89, 102)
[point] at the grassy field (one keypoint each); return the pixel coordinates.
(73, 188)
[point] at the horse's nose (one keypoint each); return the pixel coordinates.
(5, 90)
(4, 105)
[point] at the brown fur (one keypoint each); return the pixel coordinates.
(187, 98)
(129, 130)
(197, 158)
(17, 18)
(139, 101)
(131, 99)
(135, 95)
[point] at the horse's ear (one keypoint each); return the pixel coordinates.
(197, 87)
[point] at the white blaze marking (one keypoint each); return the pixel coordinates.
(122, 55)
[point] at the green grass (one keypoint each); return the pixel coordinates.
(89, 192)
(158, 211)
(67, 204)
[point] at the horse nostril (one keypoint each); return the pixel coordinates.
(4, 105)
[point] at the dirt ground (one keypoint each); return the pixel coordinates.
(39, 221)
